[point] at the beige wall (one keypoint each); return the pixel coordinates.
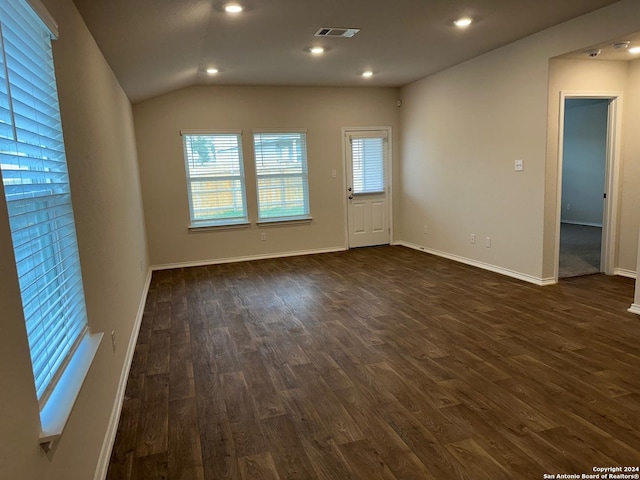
(608, 77)
(322, 111)
(101, 153)
(630, 200)
(461, 131)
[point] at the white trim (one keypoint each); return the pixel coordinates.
(57, 409)
(625, 273)
(209, 131)
(244, 223)
(612, 175)
(586, 224)
(248, 258)
(485, 266)
(112, 428)
(302, 219)
(635, 308)
(278, 130)
(46, 17)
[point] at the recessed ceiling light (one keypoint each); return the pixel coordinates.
(233, 8)
(367, 74)
(316, 50)
(634, 50)
(463, 22)
(212, 71)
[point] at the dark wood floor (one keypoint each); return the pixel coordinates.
(379, 363)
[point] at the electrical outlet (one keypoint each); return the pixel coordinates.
(487, 242)
(113, 340)
(473, 238)
(263, 237)
(519, 165)
(568, 206)
(425, 230)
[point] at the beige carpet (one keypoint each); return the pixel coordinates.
(579, 250)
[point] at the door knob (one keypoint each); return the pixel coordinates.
(350, 197)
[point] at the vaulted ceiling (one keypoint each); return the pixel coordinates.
(157, 46)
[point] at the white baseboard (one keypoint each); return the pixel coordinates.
(216, 261)
(635, 308)
(586, 224)
(484, 266)
(112, 428)
(625, 273)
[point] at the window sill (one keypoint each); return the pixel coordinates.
(57, 409)
(284, 221)
(204, 227)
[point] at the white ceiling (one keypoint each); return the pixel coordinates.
(157, 46)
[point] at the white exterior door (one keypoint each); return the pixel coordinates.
(367, 168)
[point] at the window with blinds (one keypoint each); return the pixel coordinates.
(215, 178)
(36, 188)
(281, 174)
(368, 163)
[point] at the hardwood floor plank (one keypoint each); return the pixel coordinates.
(219, 459)
(159, 353)
(364, 462)
(378, 362)
(184, 451)
(258, 467)
(245, 426)
(477, 461)
(267, 402)
(153, 425)
(151, 467)
(181, 375)
(287, 451)
(124, 448)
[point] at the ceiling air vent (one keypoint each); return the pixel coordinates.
(336, 32)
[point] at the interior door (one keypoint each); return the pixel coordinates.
(367, 165)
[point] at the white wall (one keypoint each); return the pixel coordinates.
(584, 161)
(98, 127)
(461, 131)
(322, 111)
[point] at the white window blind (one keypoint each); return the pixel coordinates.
(281, 172)
(37, 192)
(215, 177)
(368, 161)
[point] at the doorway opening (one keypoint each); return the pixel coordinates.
(587, 179)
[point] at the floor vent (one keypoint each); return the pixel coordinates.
(336, 32)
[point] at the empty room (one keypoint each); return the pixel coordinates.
(319, 239)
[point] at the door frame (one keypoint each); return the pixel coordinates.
(388, 176)
(612, 175)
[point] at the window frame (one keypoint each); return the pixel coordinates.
(303, 175)
(47, 260)
(215, 222)
(374, 135)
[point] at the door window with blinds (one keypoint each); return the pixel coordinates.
(281, 175)
(215, 178)
(38, 196)
(368, 164)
